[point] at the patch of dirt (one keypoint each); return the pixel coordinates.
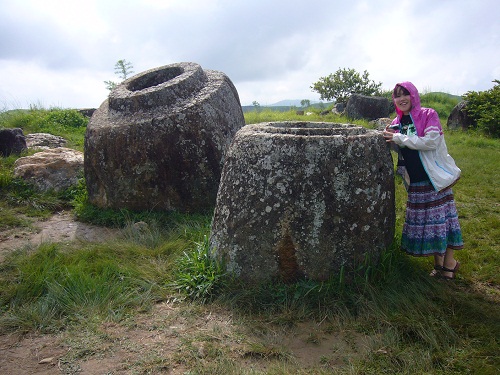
(61, 227)
(173, 339)
(170, 339)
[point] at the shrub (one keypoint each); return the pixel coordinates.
(484, 108)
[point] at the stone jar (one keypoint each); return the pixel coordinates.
(303, 200)
(158, 141)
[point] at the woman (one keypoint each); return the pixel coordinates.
(431, 224)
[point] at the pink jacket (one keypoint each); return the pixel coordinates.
(429, 141)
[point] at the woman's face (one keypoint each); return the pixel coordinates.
(403, 102)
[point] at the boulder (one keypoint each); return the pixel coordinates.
(54, 169)
(158, 141)
(87, 112)
(339, 108)
(367, 107)
(12, 141)
(303, 200)
(44, 141)
(459, 119)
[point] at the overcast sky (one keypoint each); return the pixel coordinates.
(58, 53)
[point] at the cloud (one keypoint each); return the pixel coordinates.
(61, 51)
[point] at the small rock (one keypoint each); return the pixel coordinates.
(46, 360)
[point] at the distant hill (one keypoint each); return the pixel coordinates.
(454, 97)
(290, 103)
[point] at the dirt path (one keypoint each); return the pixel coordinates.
(59, 228)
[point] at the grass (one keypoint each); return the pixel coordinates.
(267, 115)
(412, 324)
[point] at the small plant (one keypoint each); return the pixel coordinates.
(123, 69)
(199, 276)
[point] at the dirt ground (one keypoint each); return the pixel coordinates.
(160, 340)
(59, 228)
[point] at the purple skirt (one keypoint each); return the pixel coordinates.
(431, 224)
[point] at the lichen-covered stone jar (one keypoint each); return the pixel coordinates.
(158, 141)
(303, 200)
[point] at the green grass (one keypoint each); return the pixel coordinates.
(441, 102)
(415, 324)
(267, 115)
(66, 123)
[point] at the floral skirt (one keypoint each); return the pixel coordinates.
(431, 223)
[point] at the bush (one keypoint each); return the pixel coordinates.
(69, 118)
(484, 108)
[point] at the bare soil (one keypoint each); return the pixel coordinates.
(169, 339)
(61, 227)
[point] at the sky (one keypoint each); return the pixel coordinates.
(58, 53)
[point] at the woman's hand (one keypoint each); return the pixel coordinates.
(388, 134)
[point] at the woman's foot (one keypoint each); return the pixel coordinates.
(436, 272)
(449, 273)
(438, 265)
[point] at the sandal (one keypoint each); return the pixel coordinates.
(453, 271)
(436, 272)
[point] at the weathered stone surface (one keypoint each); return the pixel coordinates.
(381, 123)
(339, 108)
(367, 107)
(12, 141)
(158, 142)
(459, 119)
(54, 169)
(44, 141)
(303, 199)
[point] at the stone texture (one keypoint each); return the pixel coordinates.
(368, 107)
(54, 169)
(159, 140)
(44, 141)
(381, 123)
(303, 199)
(12, 141)
(339, 108)
(459, 119)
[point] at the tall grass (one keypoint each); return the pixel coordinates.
(53, 285)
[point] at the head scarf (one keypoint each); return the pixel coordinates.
(424, 119)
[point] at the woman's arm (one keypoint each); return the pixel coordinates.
(430, 141)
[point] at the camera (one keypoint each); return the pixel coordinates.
(394, 127)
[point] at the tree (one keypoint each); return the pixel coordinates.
(343, 83)
(305, 103)
(123, 69)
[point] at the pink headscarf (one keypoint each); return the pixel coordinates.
(424, 119)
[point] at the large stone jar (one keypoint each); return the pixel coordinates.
(159, 140)
(303, 200)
